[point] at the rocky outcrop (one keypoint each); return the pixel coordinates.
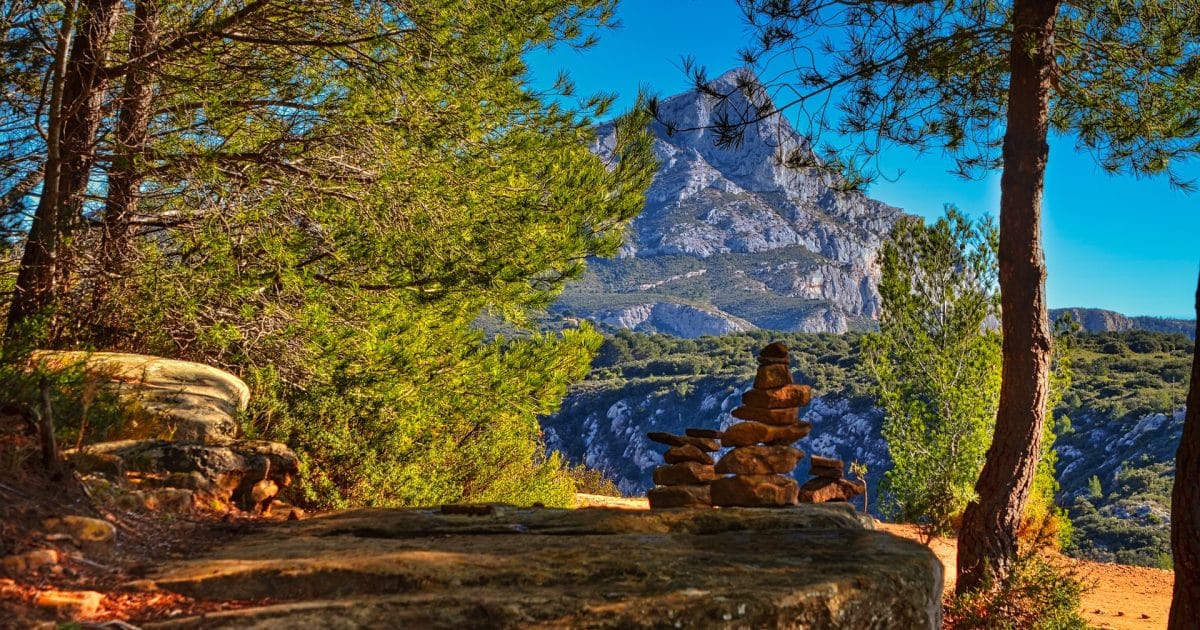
(736, 228)
(246, 473)
(181, 419)
(813, 566)
(670, 318)
(160, 398)
(1100, 320)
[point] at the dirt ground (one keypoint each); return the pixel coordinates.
(1121, 597)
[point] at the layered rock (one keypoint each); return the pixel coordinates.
(159, 398)
(684, 481)
(813, 566)
(827, 483)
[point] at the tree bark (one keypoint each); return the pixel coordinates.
(124, 177)
(1185, 507)
(987, 542)
(75, 118)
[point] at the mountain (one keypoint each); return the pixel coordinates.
(1099, 320)
(733, 239)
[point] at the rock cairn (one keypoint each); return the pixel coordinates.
(754, 472)
(685, 480)
(828, 484)
(762, 456)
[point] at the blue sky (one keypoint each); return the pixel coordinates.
(1123, 244)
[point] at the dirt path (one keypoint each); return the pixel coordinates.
(1121, 598)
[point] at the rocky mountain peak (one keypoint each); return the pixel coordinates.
(731, 232)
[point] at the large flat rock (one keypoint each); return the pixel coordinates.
(811, 566)
(163, 398)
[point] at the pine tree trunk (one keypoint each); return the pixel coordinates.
(988, 539)
(1185, 507)
(76, 114)
(124, 176)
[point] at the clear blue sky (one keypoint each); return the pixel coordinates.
(1123, 244)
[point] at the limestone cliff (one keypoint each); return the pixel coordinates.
(734, 232)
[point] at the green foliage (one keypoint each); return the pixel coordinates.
(936, 364)
(1040, 593)
(330, 220)
(591, 481)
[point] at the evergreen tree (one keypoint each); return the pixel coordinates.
(937, 364)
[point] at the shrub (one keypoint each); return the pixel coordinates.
(1040, 593)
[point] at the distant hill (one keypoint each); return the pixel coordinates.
(1099, 320)
(731, 239)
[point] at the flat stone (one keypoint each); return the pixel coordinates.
(662, 437)
(810, 566)
(70, 604)
(686, 453)
(827, 462)
(694, 495)
(754, 491)
(747, 433)
(776, 417)
(823, 490)
(779, 397)
(683, 474)
(827, 473)
(160, 398)
(704, 433)
(760, 460)
(93, 535)
(706, 444)
(772, 375)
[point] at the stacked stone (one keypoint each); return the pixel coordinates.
(684, 480)
(762, 457)
(827, 483)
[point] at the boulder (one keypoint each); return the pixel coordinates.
(94, 536)
(754, 491)
(760, 460)
(747, 433)
(227, 472)
(160, 398)
(703, 433)
(774, 352)
(810, 566)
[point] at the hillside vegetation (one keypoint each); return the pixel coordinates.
(1117, 427)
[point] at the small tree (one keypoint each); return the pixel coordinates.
(936, 360)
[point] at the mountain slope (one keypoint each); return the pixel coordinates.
(731, 238)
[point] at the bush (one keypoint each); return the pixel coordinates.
(1040, 593)
(589, 480)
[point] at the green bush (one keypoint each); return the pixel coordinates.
(1040, 593)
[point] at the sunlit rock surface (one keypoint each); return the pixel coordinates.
(813, 566)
